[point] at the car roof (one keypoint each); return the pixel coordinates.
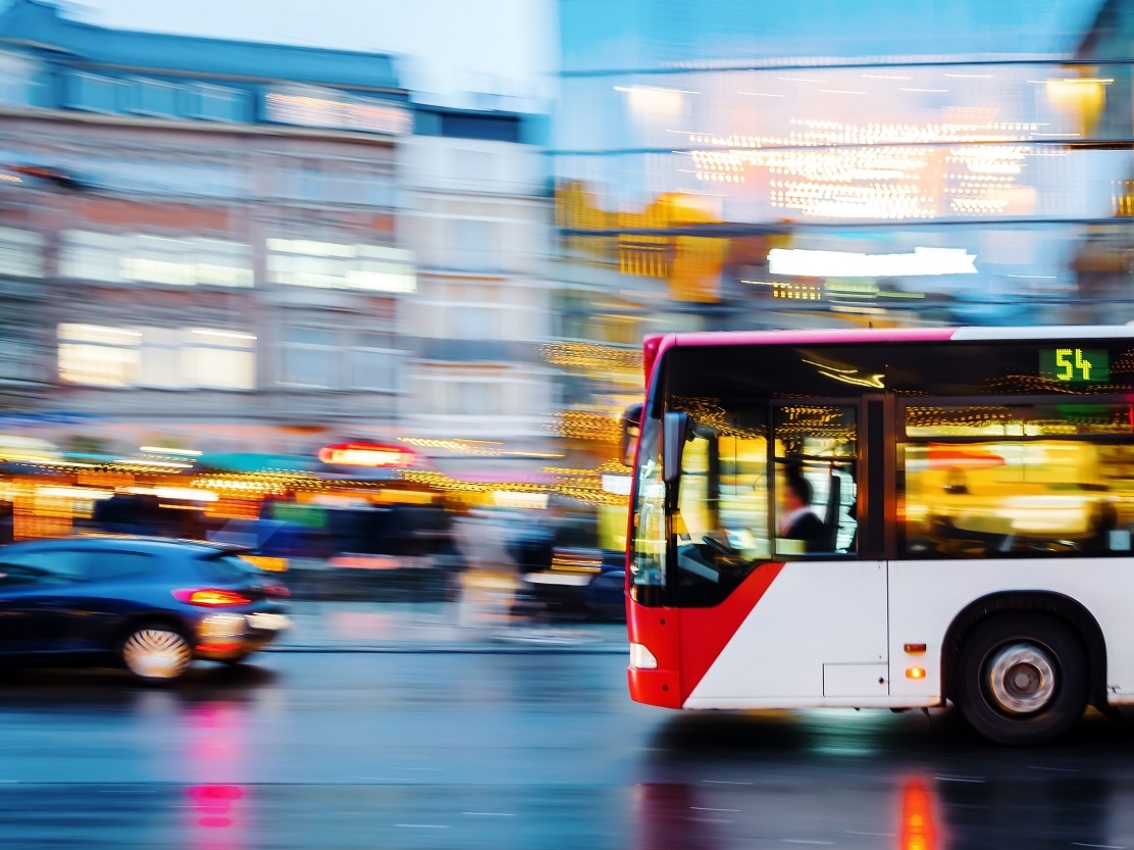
(155, 545)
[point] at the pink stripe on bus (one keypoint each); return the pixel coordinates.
(814, 337)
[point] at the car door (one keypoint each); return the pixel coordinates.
(114, 584)
(36, 591)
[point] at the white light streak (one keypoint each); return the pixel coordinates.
(922, 262)
(226, 334)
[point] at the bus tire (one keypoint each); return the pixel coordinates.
(1021, 679)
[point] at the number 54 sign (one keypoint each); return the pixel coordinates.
(1075, 365)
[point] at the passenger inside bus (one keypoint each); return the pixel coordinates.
(798, 521)
(1005, 498)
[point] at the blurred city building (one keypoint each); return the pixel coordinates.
(478, 216)
(198, 240)
(244, 279)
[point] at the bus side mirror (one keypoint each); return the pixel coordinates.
(631, 430)
(675, 431)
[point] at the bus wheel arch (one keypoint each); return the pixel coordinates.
(1068, 611)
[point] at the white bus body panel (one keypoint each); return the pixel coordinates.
(824, 632)
(814, 614)
(925, 596)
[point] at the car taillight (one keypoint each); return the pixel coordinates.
(211, 598)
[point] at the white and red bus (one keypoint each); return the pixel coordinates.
(886, 519)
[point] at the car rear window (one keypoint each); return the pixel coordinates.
(228, 568)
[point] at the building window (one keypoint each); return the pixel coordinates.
(473, 321)
(333, 265)
(308, 106)
(379, 190)
(164, 177)
(475, 398)
(162, 358)
(474, 166)
(17, 79)
(310, 358)
(142, 258)
(17, 355)
(93, 93)
(215, 103)
(151, 97)
(333, 182)
(317, 358)
(99, 356)
(219, 359)
(474, 244)
(374, 363)
(21, 253)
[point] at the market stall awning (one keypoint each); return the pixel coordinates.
(257, 462)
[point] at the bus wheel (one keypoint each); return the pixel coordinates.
(1021, 679)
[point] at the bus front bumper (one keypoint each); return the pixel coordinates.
(654, 687)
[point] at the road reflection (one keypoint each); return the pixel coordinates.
(918, 823)
(499, 751)
(722, 782)
(214, 761)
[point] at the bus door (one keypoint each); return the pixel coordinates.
(776, 602)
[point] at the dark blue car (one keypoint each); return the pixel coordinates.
(149, 605)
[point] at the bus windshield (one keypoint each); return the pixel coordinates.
(760, 480)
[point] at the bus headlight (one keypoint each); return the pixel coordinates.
(641, 658)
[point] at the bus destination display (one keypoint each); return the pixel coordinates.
(1075, 365)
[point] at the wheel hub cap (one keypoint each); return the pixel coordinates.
(156, 654)
(1022, 678)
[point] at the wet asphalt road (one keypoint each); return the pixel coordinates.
(460, 750)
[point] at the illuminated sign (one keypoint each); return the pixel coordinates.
(1075, 365)
(366, 454)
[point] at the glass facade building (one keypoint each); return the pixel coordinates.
(838, 163)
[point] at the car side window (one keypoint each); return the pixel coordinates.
(109, 565)
(41, 568)
(18, 575)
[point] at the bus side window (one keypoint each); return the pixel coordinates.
(1036, 483)
(816, 493)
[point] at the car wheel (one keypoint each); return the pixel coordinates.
(1021, 679)
(156, 653)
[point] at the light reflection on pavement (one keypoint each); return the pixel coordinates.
(525, 750)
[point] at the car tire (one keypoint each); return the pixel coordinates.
(1021, 679)
(156, 653)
